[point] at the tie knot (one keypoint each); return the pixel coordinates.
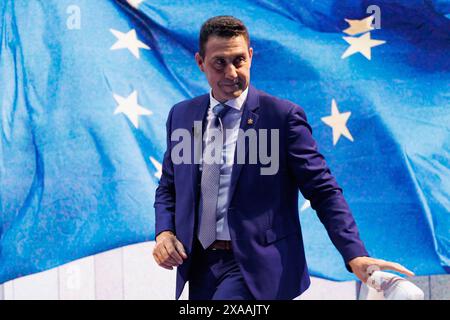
(220, 110)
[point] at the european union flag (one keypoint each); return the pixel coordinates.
(86, 86)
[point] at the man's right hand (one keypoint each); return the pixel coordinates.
(169, 251)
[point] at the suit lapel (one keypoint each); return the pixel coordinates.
(249, 120)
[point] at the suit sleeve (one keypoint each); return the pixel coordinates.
(165, 193)
(316, 183)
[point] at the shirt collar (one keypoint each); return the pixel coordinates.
(235, 103)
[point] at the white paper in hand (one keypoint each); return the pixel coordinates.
(393, 287)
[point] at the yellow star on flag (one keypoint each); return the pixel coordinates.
(361, 44)
(129, 106)
(338, 122)
(359, 26)
(128, 41)
(135, 3)
(158, 167)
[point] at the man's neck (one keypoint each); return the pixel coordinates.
(235, 102)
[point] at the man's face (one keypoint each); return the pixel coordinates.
(226, 65)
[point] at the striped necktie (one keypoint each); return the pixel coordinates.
(210, 182)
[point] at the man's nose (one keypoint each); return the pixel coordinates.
(230, 72)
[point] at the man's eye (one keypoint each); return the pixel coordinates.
(239, 60)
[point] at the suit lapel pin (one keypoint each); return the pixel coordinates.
(250, 121)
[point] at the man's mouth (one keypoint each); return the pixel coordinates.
(232, 85)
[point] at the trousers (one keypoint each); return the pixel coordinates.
(215, 275)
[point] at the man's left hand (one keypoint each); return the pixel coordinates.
(359, 267)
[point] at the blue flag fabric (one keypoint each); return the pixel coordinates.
(86, 87)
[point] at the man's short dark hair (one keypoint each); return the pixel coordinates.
(221, 26)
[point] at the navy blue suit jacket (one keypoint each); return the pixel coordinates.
(263, 213)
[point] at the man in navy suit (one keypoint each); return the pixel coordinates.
(232, 229)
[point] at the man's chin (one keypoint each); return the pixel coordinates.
(227, 93)
(237, 93)
(231, 94)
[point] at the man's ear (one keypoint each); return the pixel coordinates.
(250, 54)
(200, 62)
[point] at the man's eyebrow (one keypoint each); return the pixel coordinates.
(234, 55)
